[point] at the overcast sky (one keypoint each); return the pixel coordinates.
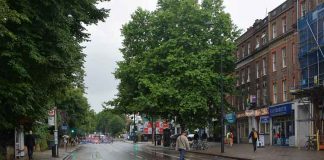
(103, 49)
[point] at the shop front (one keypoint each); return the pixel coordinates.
(242, 127)
(263, 122)
(283, 127)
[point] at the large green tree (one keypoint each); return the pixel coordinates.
(108, 122)
(40, 53)
(172, 60)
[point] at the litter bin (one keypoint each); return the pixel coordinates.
(158, 140)
(50, 144)
(55, 151)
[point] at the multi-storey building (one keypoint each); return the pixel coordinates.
(267, 68)
(311, 58)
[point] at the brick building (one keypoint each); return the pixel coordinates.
(267, 69)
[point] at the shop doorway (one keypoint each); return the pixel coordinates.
(281, 130)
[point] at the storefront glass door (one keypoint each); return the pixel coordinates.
(281, 131)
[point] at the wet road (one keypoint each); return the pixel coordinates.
(128, 151)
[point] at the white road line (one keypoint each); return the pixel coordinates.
(164, 154)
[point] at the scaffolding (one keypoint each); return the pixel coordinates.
(311, 56)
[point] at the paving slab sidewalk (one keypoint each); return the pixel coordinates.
(245, 151)
(47, 155)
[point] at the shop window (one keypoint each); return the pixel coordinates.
(264, 128)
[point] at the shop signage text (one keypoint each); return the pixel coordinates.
(280, 110)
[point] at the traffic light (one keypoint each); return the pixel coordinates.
(72, 131)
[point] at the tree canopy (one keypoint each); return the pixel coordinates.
(40, 53)
(172, 60)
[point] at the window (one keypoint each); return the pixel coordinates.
(274, 31)
(243, 52)
(257, 69)
(293, 53)
(284, 91)
(284, 25)
(284, 57)
(264, 93)
(258, 97)
(264, 38)
(264, 66)
(257, 45)
(274, 88)
(264, 128)
(249, 49)
(237, 79)
(238, 55)
(274, 61)
(243, 99)
(243, 77)
(303, 8)
(248, 74)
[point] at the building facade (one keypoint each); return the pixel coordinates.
(268, 71)
(311, 58)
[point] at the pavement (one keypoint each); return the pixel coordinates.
(237, 151)
(245, 152)
(47, 155)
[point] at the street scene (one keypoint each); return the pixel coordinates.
(162, 80)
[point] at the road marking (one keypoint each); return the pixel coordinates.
(136, 155)
(163, 154)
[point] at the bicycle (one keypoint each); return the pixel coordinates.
(204, 145)
(311, 144)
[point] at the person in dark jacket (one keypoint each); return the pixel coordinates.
(255, 136)
(30, 143)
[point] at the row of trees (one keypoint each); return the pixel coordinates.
(172, 60)
(41, 62)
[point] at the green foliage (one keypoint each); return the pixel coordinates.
(172, 60)
(40, 54)
(108, 122)
(42, 134)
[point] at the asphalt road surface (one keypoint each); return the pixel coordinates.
(129, 151)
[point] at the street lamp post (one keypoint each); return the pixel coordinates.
(55, 135)
(222, 106)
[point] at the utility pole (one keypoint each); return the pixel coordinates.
(222, 106)
(55, 135)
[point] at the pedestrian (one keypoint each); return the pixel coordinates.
(204, 136)
(255, 136)
(182, 144)
(65, 141)
(230, 138)
(30, 143)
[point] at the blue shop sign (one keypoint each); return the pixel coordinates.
(264, 119)
(230, 117)
(280, 110)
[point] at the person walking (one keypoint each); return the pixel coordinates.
(230, 138)
(30, 143)
(255, 136)
(182, 144)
